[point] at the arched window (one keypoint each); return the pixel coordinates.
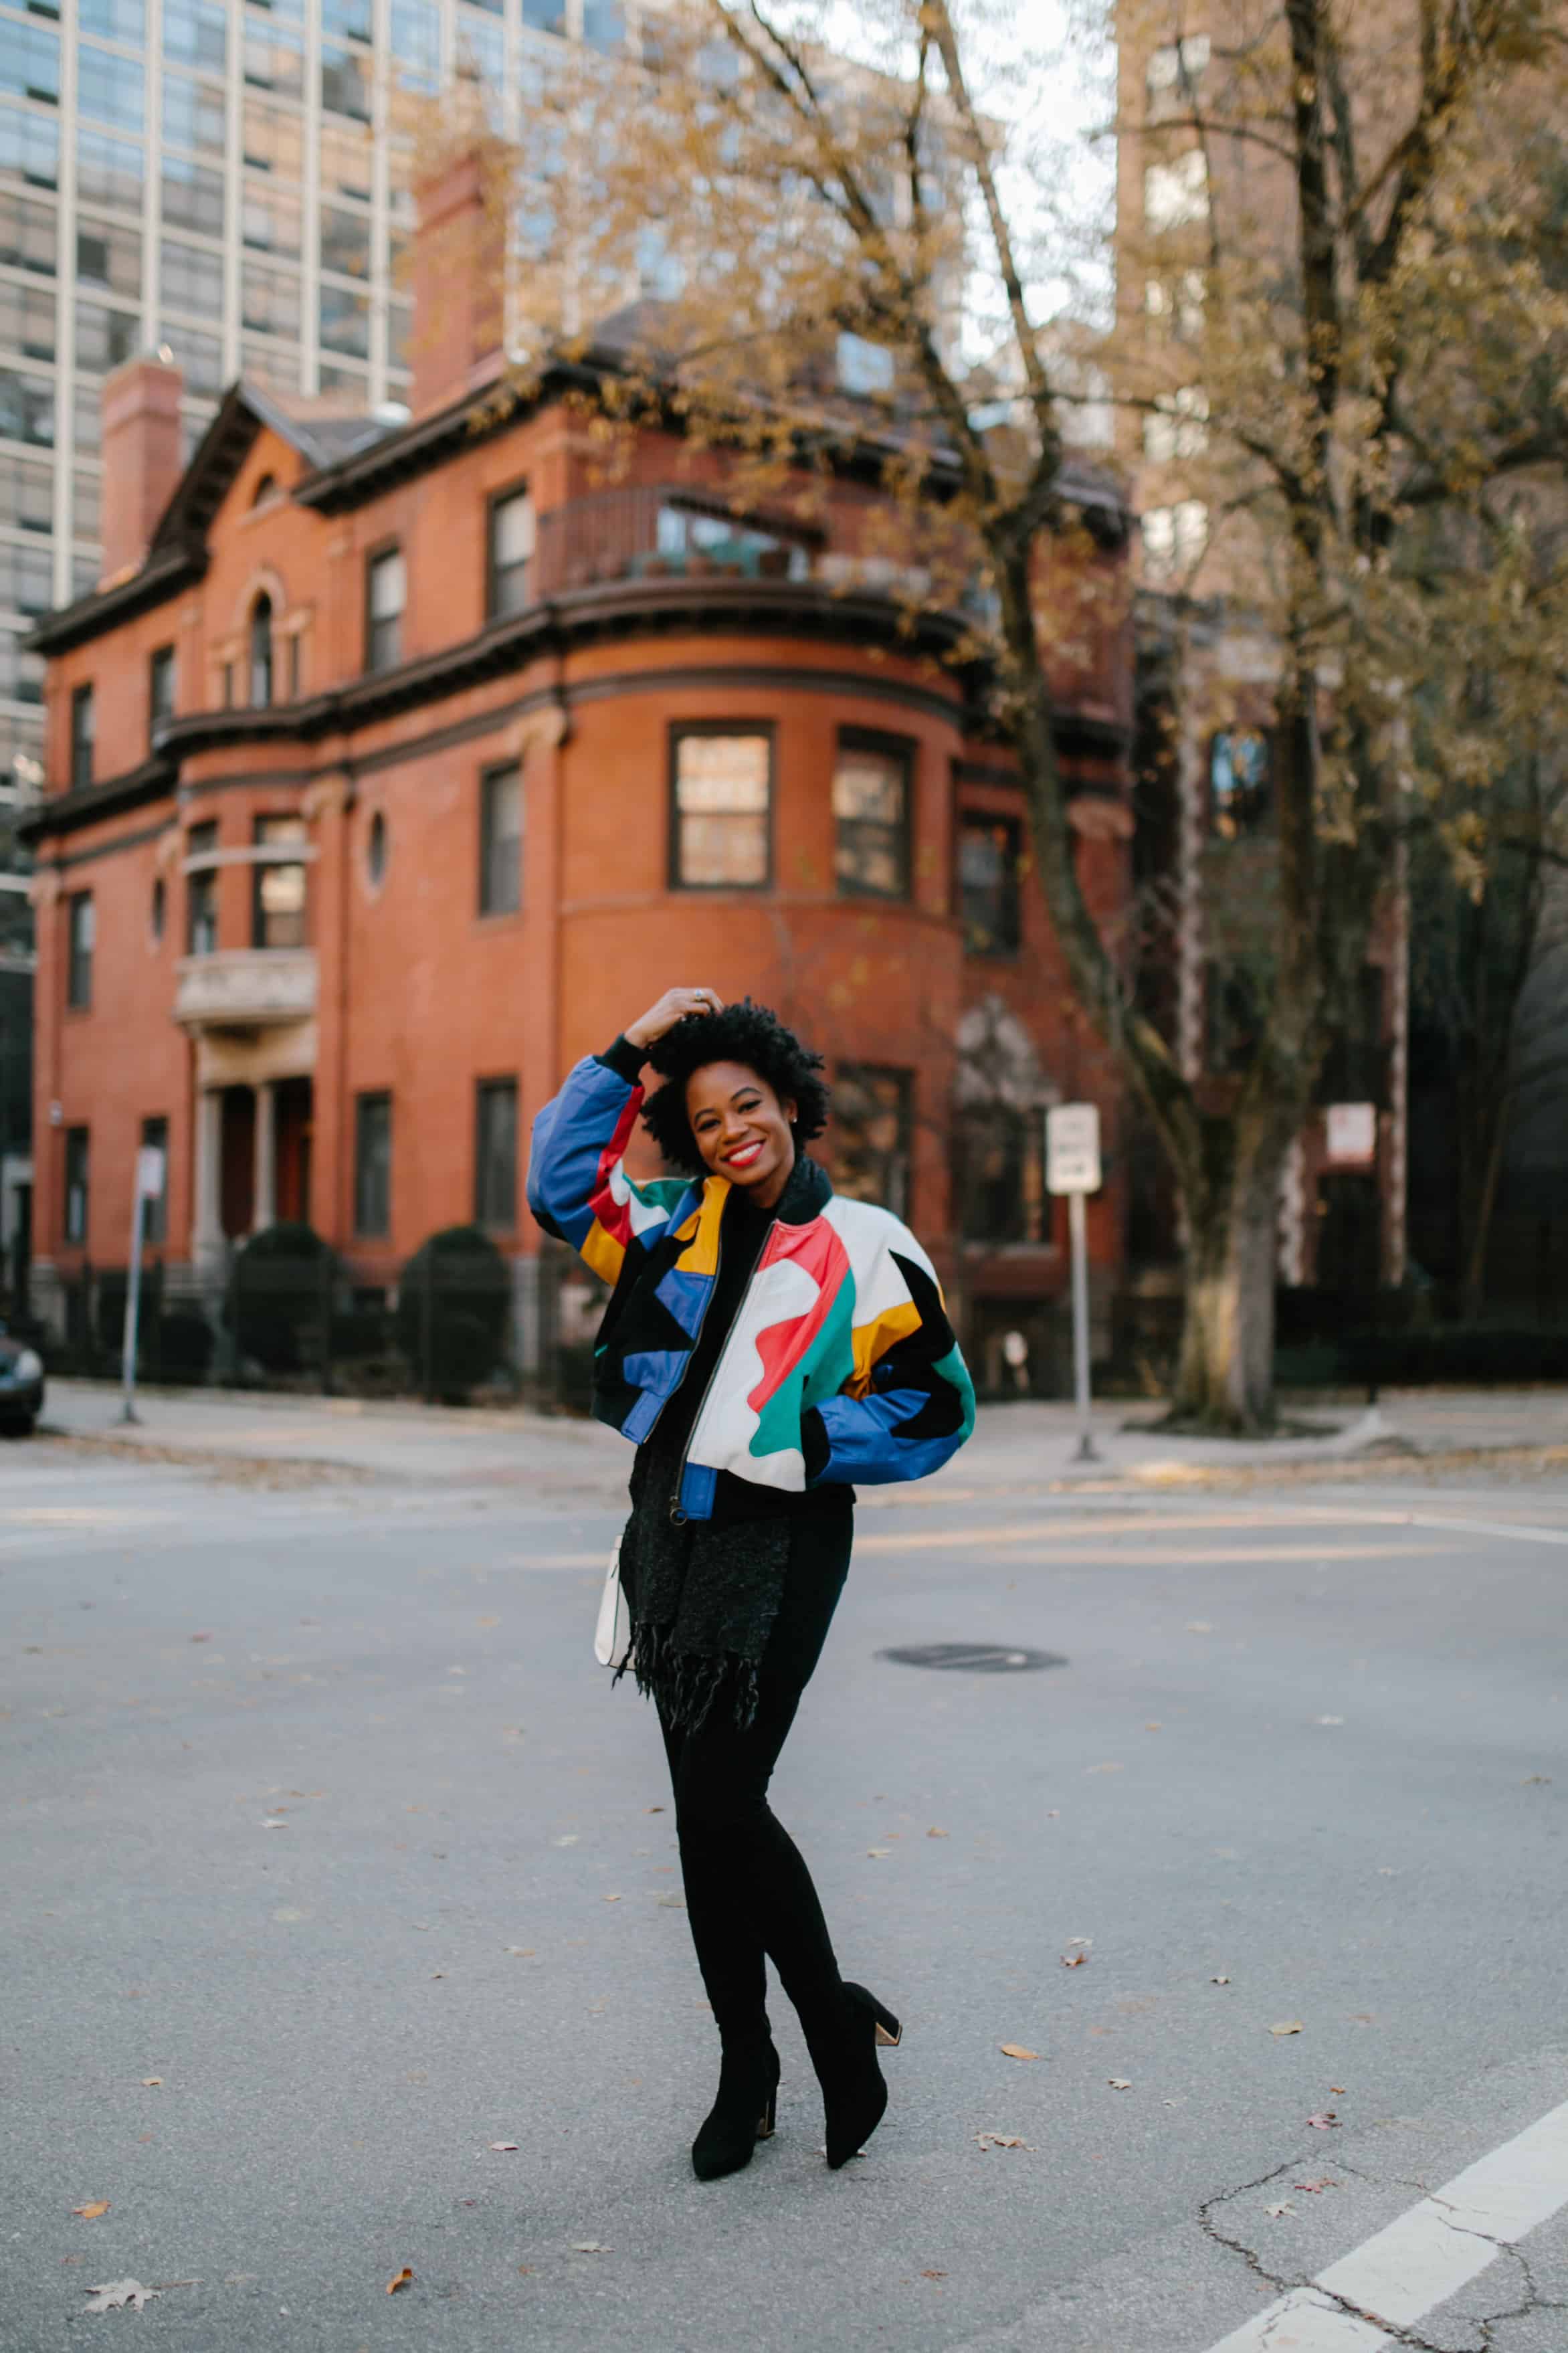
(261, 651)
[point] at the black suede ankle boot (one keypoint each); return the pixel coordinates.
(744, 2112)
(842, 2038)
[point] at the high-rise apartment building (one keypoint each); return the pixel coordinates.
(227, 178)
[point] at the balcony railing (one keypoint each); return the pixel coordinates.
(246, 989)
(649, 531)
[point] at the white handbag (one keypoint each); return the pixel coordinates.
(613, 1634)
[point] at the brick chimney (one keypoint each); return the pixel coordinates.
(142, 459)
(459, 263)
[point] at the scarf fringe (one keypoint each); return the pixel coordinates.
(686, 1685)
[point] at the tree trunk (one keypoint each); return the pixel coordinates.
(1224, 1377)
(1479, 1191)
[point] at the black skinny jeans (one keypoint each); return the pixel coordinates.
(748, 1892)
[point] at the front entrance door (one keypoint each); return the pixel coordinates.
(293, 1146)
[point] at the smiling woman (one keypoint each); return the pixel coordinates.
(766, 1344)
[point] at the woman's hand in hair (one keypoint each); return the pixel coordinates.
(672, 1006)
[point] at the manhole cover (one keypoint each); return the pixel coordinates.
(975, 1657)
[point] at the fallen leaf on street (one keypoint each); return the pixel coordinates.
(98, 2205)
(1016, 2051)
(1120, 2082)
(150, 2080)
(1325, 2121)
(503, 2144)
(402, 2280)
(1155, 1726)
(116, 2293)
(1328, 2182)
(1532, 1778)
(569, 1841)
(655, 1809)
(590, 2247)
(1291, 2026)
(1219, 1980)
(1074, 1960)
(877, 1852)
(1285, 2209)
(1002, 2140)
(937, 1834)
(1199, 1626)
(612, 1899)
(274, 1822)
(934, 2274)
(523, 1952)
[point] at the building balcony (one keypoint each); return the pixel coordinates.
(246, 989)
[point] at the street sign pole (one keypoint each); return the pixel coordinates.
(1086, 1453)
(149, 1184)
(1072, 1166)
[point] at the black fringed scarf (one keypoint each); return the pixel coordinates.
(703, 1598)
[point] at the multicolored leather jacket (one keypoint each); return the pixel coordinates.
(840, 1363)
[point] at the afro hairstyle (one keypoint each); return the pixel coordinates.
(742, 1032)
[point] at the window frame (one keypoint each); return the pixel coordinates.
(988, 819)
(264, 863)
(201, 884)
(261, 653)
(80, 909)
(162, 662)
(155, 1224)
(83, 742)
(76, 1137)
(363, 1101)
(903, 748)
(372, 556)
(493, 773)
(494, 609)
(1020, 1130)
(845, 1074)
(484, 1090)
(679, 730)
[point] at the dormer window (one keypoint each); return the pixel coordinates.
(261, 651)
(265, 488)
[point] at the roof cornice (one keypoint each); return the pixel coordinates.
(720, 606)
(164, 576)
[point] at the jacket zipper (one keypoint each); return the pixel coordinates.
(678, 1517)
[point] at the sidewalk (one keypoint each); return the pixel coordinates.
(1027, 1443)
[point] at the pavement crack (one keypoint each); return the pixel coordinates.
(1283, 2286)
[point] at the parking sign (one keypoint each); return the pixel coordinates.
(1072, 1148)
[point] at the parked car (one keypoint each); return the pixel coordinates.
(21, 1383)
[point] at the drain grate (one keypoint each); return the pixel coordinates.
(973, 1658)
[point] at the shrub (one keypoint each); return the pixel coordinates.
(454, 1309)
(279, 1297)
(185, 1346)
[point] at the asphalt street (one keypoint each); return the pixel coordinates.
(331, 1861)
